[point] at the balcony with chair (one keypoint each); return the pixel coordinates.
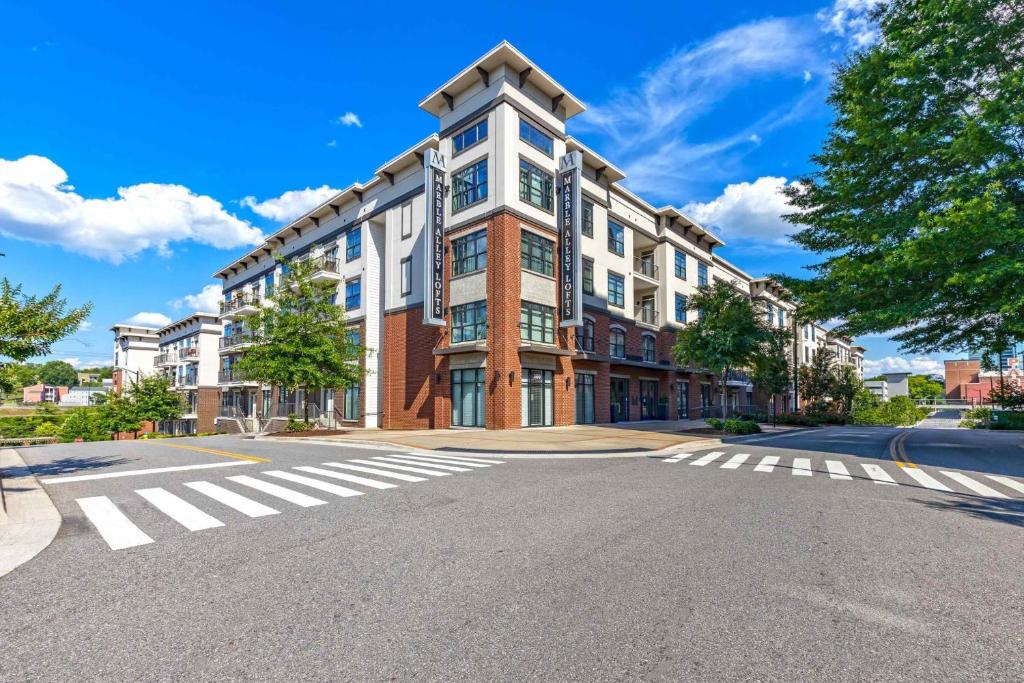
(239, 306)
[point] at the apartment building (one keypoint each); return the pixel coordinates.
(846, 352)
(188, 357)
(515, 281)
(134, 350)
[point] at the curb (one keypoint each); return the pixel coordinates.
(388, 446)
(28, 520)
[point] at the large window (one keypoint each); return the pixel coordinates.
(407, 276)
(469, 253)
(531, 134)
(469, 185)
(353, 294)
(537, 253)
(588, 276)
(585, 336)
(536, 186)
(470, 136)
(351, 408)
(647, 346)
(702, 274)
(680, 264)
(468, 398)
(616, 343)
(268, 284)
(469, 322)
(616, 290)
(680, 308)
(538, 398)
(616, 238)
(353, 244)
(584, 398)
(588, 218)
(537, 323)
(782, 317)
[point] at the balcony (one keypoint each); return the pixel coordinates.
(165, 359)
(235, 342)
(646, 270)
(188, 381)
(738, 378)
(325, 269)
(233, 376)
(585, 344)
(189, 355)
(239, 306)
(646, 316)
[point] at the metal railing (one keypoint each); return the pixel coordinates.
(239, 301)
(646, 315)
(166, 357)
(235, 340)
(188, 353)
(645, 267)
(323, 264)
(232, 375)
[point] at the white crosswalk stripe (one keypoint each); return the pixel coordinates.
(1007, 482)
(112, 524)
(735, 461)
(837, 470)
(802, 467)
(924, 479)
(767, 463)
(403, 468)
(278, 491)
(181, 511)
(351, 478)
(466, 458)
(877, 474)
(372, 470)
(314, 483)
(247, 506)
(705, 459)
(443, 461)
(419, 463)
(973, 485)
(677, 457)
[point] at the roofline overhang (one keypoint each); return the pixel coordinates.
(675, 214)
(605, 168)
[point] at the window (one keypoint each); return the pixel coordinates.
(806, 333)
(588, 276)
(468, 398)
(353, 336)
(807, 357)
(406, 220)
(538, 254)
(680, 308)
(782, 317)
(588, 218)
(616, 290)
(351, 409)
(531, 134)
(353, 289)
(469, 185)
(268, 285)
(616, 343)
(585, 336)
(814, 333)
(702, 274)
(537, 323)
(647, 346)
(469, 322)
(770, 314)
(470, 136)
(616, 237)
(353, 244)
(469, 253)
(407, 276)
(680, 264)
(535, 185)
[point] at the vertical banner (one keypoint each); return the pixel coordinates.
(570, 224)
(433, 262)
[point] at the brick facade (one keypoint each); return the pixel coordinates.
(207, 407)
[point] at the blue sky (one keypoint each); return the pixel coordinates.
(141, 149)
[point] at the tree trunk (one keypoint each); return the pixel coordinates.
(773, 410)
(723, 389)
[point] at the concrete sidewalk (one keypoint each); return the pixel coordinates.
(28, 518)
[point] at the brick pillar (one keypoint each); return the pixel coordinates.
(504, 283)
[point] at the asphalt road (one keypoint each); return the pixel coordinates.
(553, 569)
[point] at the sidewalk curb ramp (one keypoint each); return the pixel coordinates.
(28, 518)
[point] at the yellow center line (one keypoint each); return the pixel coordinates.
(903, 451)
(213, 451)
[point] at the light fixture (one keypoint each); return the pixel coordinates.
(511, 377)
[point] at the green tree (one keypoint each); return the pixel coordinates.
(727, 335)
(845, 387)
(119, 414)
(1008, 395)
(85, 424)
(818, 381)
(924, 387)
(14, 376)
(57, 373)
(917, 205)
(30, 325)
(153, 399)
(301, 338)
(771, 369)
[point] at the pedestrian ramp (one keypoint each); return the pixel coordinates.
(203, 505)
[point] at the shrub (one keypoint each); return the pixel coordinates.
(46, 429)
(797, 419)
(982, 413)
(296, 426)
(741, 427)
(714, 423)
(83, 424)
(896, 412)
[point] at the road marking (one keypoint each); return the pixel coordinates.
(116, 529)
(837, 470)
(735, 461)
(214, 451)
(351, 478)
(677, 457)
(379, 473)
(135, 473)
(802, 467)
(975, 486)
(705, 459)
(403, 468)
(440, 461)
(463, 458)
(406, 461)
(877, 474)
(767, 463)
(924, 479)
(278, 491)
(314, 483)
(181, 511)
(247, 506)
(897, 451)
(1006, 481)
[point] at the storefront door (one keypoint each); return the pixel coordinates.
(648, 399)
(468, 398)
(619, 399)
(584, 399)
(538, 398)
(683, 400)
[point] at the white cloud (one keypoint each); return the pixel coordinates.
(85, 326)
(73, 362)
(919, 365)
(350, 119)
(332, 143)
(148, 319)
(206, 301)
(291, 204)
(747, 210)
(807, 76)
(851, 20)
(38, 205)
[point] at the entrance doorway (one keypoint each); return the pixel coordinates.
(584, 399)
(619, 392)
(682, 400)
(648, 399)
(468, 398)
(538, 398)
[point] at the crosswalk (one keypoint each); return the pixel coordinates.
(296, 486)
(986, 485)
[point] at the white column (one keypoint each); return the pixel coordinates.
(374, 261)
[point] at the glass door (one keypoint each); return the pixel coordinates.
(468, 398)
(538, 398)
(648, 399)
(584, 399)
(683, 400)
(619, 398)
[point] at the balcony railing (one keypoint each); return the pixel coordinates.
(239, 301)
(165, 358)
(229, 376)
(738, 376)
(185, 381)
(235, 340)
(323, 264)
(645, 267)
(646, 315)
(585, 344)
(188, 353)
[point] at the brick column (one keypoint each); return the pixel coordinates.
(504, 282)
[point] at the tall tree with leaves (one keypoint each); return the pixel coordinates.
(30, 325)
(726, 336)
(57, 373)
(119, 414)
(918, 203)
(300, 339)
(772, 369)
(154, 400)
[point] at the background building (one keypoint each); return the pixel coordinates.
(188, 354)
